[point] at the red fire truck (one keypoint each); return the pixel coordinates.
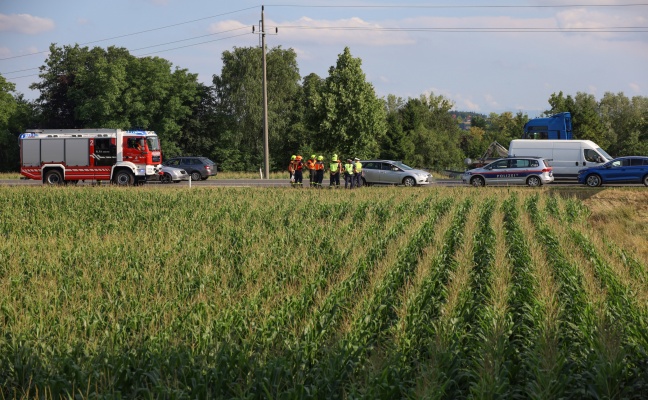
(58, 156)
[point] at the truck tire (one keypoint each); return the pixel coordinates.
(124, 177)
(54, 177)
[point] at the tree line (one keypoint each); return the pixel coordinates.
(83, 87)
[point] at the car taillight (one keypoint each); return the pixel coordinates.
(547, 169)
(207, 167)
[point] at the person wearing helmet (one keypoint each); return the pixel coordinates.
(310, 164)
(348, 174)
(357, 172)
(291, 169)
(335, 168)
(319, 172)
(298, 167)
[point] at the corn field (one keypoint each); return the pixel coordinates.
(444, 293)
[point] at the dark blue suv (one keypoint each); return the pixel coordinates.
(620, 170)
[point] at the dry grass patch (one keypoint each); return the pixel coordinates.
(622, 216)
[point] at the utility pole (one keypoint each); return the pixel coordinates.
(266, 151)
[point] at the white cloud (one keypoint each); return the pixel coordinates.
(5, 52)
(490, 100)
(25, 23)
(635, 87)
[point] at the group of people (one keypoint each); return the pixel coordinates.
(351, 170)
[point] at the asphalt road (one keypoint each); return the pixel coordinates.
(272, 183)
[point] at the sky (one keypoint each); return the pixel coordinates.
(486, 56)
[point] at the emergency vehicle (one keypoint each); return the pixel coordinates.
(58, 156)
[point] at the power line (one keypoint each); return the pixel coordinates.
(153, 52)
(139, 32)
(462, 6)
(618, 29)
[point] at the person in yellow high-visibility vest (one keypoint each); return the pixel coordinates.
(348, 174)
(357, 172)
(335, 169)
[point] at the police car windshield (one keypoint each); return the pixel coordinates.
(153, 143)
(402, 166)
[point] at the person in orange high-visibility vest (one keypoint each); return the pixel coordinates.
(298, 166)
(310, 164)
(319, 172)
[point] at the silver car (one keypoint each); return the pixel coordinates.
(388, 172)
(171, 174)
(531, 171)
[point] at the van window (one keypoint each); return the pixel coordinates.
(592, 156)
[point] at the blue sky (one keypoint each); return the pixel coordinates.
(480, 54)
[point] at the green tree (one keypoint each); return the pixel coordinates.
(625, 120)
(239, 99)
(586, 120)
(8, 106)
(353, 119)
(93, 88)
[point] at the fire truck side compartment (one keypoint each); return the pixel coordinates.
(54, 152)
(77, 152)
(31, 153)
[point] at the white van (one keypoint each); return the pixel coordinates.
(567, 157)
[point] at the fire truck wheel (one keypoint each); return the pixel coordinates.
(54, 177)
(124, 178)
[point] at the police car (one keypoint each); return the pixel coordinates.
(531, 171)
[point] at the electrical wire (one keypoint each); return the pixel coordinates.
(617, 29)
(139, 32)
(460, 6)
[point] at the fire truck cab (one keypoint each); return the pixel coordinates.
(58, 156)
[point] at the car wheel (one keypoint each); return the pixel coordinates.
(477, 181)
(166, 178)
(54, 177)
(534, 181)
(645, 180)
(195, 176)
(124, 178)
(409, 182)
(364, 183)
(593, 180)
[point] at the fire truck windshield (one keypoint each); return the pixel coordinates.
(153, 143)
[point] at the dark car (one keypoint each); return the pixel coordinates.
(632, 169)
(198, 168)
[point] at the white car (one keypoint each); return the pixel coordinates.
(388, 172)
(171, 174)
